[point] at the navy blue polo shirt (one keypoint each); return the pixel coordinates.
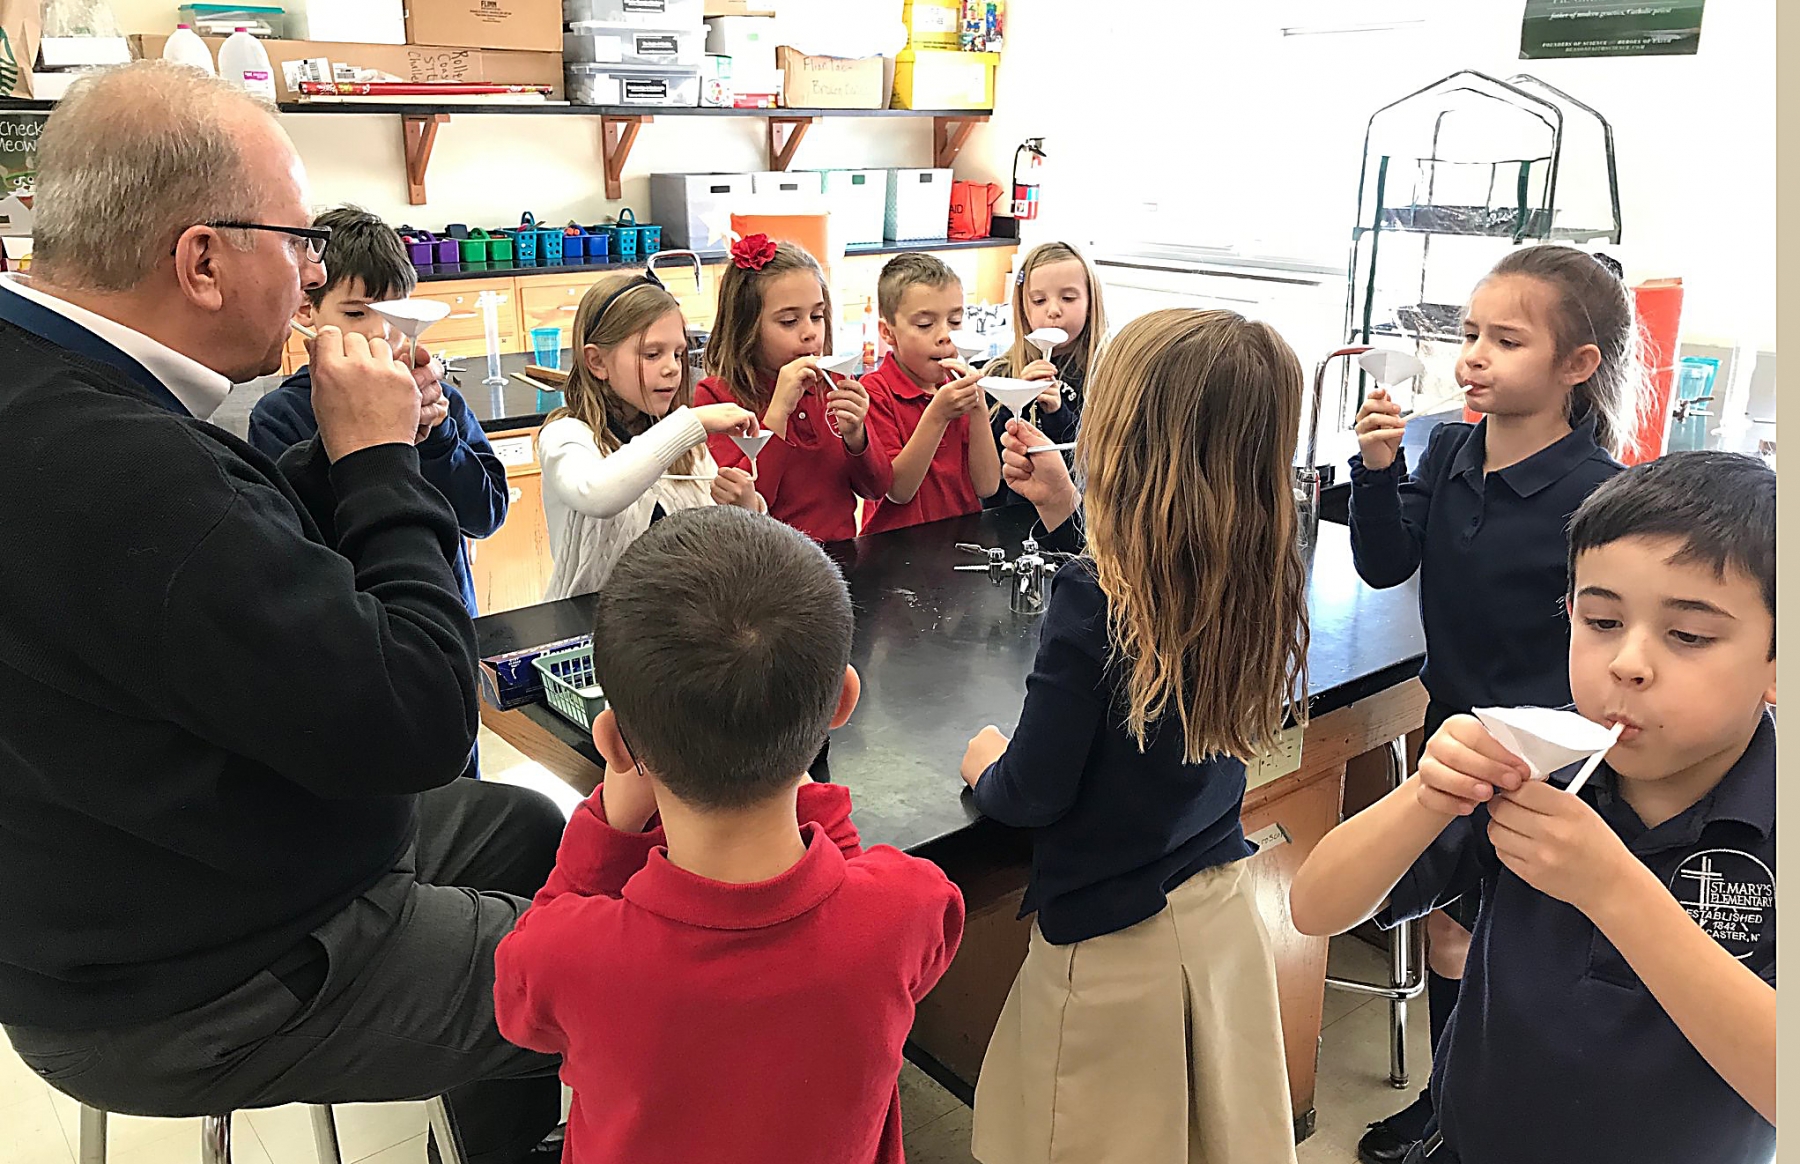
(1556, 1051)
(1491, 550)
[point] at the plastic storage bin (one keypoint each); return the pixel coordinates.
(593, 43)
(937, 79)
(596, 244)
(684, 203)
(643, 13)
(857, 200)
(224, 19)
(525, 247)
(795, 191)
(750, 42)
(570, 687)
(918, 205)
(648, 86)
(549, 240)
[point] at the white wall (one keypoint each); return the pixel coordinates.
(1244, 137)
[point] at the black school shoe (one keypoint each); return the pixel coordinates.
(1388, 1141)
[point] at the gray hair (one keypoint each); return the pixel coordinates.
(132, 157)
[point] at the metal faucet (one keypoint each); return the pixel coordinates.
(1030, 573)
(1308, 478)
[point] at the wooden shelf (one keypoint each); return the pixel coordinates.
(619, 128)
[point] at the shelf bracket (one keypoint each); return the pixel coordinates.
(418, 133)
(948, 135)
(618, 133)
(785, 135)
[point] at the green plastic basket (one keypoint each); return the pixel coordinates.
(569, 686)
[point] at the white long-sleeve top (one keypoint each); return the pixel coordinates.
(596, 503)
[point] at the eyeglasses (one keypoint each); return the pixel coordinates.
(316, 236)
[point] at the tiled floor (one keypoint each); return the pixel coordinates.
(38, 1126)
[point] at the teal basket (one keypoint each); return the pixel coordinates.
(569, 686)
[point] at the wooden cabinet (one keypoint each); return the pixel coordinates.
(462, 333)
(547, 302)
(512, 568)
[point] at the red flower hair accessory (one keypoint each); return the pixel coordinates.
(753, 252)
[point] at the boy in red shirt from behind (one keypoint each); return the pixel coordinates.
(925, 405)
(726, 973)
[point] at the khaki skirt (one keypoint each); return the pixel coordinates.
(1158, 1044)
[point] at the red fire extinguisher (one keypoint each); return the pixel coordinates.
(1025, 186)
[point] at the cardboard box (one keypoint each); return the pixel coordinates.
(943, 79)
(409, 62)
(831, 82)
(528, 25)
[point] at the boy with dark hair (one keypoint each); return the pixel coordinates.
(926, 406)
(1620, 1000)
(737, 982)
(366, 263)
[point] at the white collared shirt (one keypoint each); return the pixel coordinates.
(199, 389)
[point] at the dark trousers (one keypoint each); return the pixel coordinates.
(390, 999)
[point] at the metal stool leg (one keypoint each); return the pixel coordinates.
(443, 1130)
(1406, 962)
(325, 1137)
(92, 1148)
(215, 1140)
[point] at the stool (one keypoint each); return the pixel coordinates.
(215, 1135)
(1406, 960)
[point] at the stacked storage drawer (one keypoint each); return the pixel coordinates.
(634, 52)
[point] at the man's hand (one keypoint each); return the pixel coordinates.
(1463, 766)
(1557, 844)
(362, 395)
(1042, 479)
(733, 487)
(983, 750)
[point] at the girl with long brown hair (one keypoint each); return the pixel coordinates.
(628, 446)
(774, 324)
(1143, 1025)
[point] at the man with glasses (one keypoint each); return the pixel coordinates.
(237, 868)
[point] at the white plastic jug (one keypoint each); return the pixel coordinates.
(185, 47)
(242, 61)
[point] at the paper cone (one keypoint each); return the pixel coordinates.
(1547, 740)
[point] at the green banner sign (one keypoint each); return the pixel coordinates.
(18, 169)
(1610, 28)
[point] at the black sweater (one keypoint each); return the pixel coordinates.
(212, 722)
(1115, 829)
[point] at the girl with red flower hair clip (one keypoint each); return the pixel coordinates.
(774, 324)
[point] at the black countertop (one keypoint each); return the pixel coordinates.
(941, 655)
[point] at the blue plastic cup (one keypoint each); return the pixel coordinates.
(546, 347)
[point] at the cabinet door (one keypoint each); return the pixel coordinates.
(551, 302)
(512, 568)
(462, 333)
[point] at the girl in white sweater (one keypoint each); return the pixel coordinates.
(628, 447)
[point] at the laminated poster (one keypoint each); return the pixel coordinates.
(18, 169)
(1610, 28)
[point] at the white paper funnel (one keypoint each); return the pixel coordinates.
(411, 316)
(1015, 394)
(1048, 339)
(1389, 367)
(752, 445)
(968, 344)
(1547, 740)
(842, 363)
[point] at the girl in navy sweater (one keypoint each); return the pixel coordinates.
(1549, 360)
(1057, 288)
(1143, 1024)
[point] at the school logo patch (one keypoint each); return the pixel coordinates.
(1730, 895)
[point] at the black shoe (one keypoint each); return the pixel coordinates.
(1388, 1141)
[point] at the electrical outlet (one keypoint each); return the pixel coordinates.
(1282, 760)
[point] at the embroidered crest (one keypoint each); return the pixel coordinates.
(1730, 895)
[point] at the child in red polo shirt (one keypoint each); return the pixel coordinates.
(774, 323)
(737, 982)
(924, 404)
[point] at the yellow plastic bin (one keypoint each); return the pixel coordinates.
(944, 79)
(933, 23)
